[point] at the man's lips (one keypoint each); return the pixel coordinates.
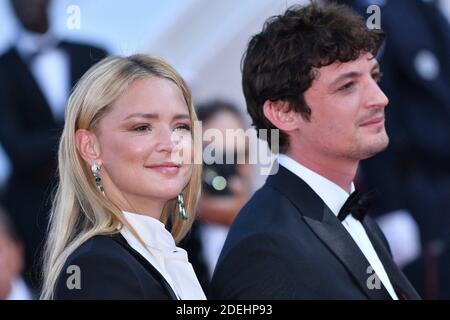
(373, 121)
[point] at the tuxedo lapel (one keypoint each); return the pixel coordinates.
(74, 63)
(399, 281)
(25, 82)
(331, 232)
(327, 228)
(79, 60)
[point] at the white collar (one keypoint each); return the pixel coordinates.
(161, 251)
(152, 231)
(332, 194)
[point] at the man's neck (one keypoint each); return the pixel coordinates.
(341, 172)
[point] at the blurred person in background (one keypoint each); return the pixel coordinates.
(12, 285)
(226, 187)
(37, 74)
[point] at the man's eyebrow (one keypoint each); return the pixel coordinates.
(353, 74)
(345, 76)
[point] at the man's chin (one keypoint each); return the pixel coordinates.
(375, 147)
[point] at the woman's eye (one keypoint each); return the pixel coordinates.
(142, 128)
(183, 127)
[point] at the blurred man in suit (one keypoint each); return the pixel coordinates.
(311, 73)
(36, 75)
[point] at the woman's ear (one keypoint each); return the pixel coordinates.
(281, 115)
(87, 146)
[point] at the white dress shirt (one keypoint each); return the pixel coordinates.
(335, 197)
(19, 291)
(213, 237)
(50, 68)
(160, 250)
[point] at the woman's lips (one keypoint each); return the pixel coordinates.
(165, 167)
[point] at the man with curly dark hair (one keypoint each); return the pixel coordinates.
(311, 73)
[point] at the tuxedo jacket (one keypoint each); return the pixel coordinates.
(29, 134)
(109, 268)
(287, 244)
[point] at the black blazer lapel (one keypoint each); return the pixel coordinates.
(151, 269)
(328, 229)
(399, 281)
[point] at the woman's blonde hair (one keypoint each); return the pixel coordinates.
(79, 210)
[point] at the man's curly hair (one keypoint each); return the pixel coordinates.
(280, 60)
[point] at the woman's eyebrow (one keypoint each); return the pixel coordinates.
(155, 116)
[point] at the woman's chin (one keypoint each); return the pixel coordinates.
(168, 193)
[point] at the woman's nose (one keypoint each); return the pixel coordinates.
(166, 141)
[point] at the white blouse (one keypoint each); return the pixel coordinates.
(161, 251)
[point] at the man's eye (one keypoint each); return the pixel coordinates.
(346, 86)
(377, 76)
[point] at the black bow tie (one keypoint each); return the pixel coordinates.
(357, 204)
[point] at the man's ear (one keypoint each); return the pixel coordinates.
(87, 146)
(281, 115)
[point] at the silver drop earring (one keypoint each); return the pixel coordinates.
(181, 209)
(95, 168)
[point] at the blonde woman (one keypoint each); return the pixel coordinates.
(126, 121)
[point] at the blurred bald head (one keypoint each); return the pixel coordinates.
(32, 14)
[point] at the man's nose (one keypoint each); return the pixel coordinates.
(376, 97)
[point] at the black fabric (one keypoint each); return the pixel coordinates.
(358, 205)
(111, 269)
(121, 240)
(287, 244)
